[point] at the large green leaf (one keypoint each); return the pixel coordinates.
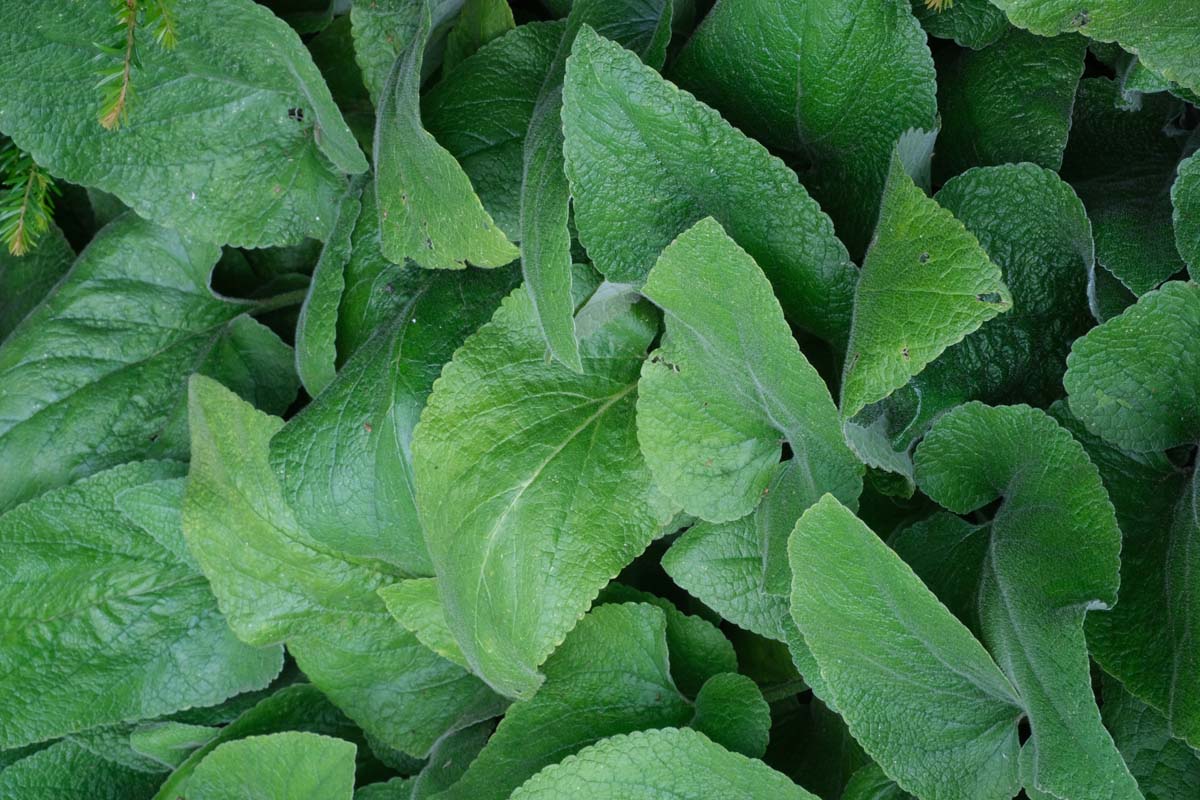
(344, 462)
(26, 280)
(279, 766)
(381, 29)
(1122, 161)
(729, 386)
(1165, 768)
(1163, 33)
(67, 771)
(1034, 227)
(645, 27)
(919, 692)
(970, 23)
(428, 210)
(94, 376)
(1053, 511)
(530, 485)
(670, 762)
(792, 74)
(301, 707)
(276, 582)
(926, 283)
(235, 80)
(609, 676)
(1007, 103)
(646, 161)
(480, 22)
(105, 619)
(1134, 384)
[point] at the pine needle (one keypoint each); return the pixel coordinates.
(26, 201)
(938, 5)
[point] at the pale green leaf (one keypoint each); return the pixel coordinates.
(729, 386)
(731, 711)
(925, 284)
(681, 764)
(279, 766)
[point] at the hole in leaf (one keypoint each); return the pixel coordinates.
(988, 297)
(296, 114)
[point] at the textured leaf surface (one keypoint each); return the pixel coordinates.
(428, 210)
(646, 766)
(729, 385)
(1136, 380)
(531, 487)
(1054, 511)
(1034, 227)
(344, 462)
(1162, 33)
(103, 621)
(1165, 768)
(232, 79)
(646, 161)
(791, 74)
(67, 771)
(275, 582)
(947, 729)
(609, 676)
(479, 22)
(1007, 103)
(281, 766)
(925, 284)
(731, 711)
(1122, 163)
(94, 376)
(970, 23)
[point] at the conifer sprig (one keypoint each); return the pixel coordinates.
(116, 77)
(26, 200)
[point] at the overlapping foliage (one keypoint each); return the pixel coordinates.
(599, 399)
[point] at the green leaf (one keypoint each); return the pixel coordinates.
(231, 80)
(1165, 768)
(731, 711)
(1053, 511)
(170, 743)
(1134, 380)
(1034, 227)
(26, 280)
(871, 783)
(730, 385)
(382, 29)
(67, 771)
(316, 328)
(970, 23)
(275, 582)
(531, 488)
(449, 759)
(699, 650)
(344, 461)
(395, 789)
(481, 114)
(978, 92)
(1133, 383)
(417, 605)
(947, 729)
(98, 367)
(479, 22)
(1185, 198)
(926, 283)
(609, 676)
(740, 568)
(301, 707)
(645, 27)
(428, 210)
(281, 766)
(1122, 162)
(103, 621)
(646, 161)
(791, 75)
(1160, 32)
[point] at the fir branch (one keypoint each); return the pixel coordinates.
(116, 79)
(26, 201)
(938, 5)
